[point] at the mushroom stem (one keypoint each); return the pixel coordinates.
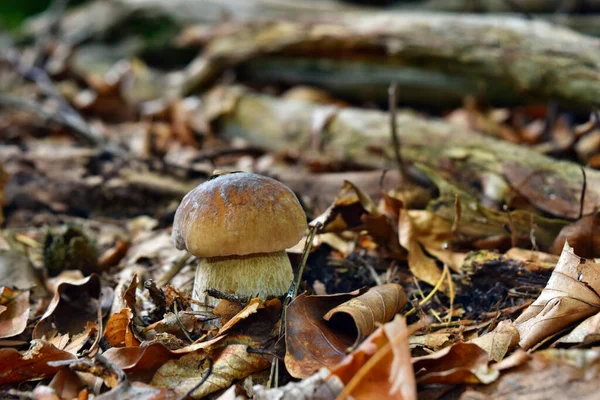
(253, 275)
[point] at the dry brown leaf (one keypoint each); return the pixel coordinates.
(17, 272)
(364, 313)
(583, 235)
(380, 367)
(231, 362)
(570, 295)
(421, 265)
(136, 391)
(584, 334)
(251, 308)
(354, 210)
(16, 367)
(312, 342)
(14, 311)
(547, 192)
(548, 374)
(322, 385)
(433, 340)
(142, 361)
(79, 298)
(500, 341)
(118, 329)
(66, 384)
(458, 364)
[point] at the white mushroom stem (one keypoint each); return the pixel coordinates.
(253, 275)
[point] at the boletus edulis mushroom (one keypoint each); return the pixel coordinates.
(239, 225)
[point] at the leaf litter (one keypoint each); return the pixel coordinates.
(426, 279)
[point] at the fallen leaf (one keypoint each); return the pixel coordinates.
(322, 385)
(570, 295)
(80, 298)
(458, 364)
(16, 271)
(310, 343)
(17, 367)
(364, 313)
(380, 367)
(118, 332)
(547, 374)
(583, 235)
(584, 334)
(230, 363)
(136, 391)
(548, 193)
(14, 311)
(500, 341)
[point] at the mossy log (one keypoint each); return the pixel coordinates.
(436, 59)
(491, 171)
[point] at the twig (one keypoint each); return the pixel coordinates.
(392, 98)
(583, 189)
(180, 324)
(307, 246)
(204, 378)
(274, 375)
(457, 213)
(232, 297)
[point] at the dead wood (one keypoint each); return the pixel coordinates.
(492, 171)
(436, 59)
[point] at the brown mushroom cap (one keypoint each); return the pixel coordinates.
(237, 214)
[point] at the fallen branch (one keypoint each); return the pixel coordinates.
(487, 169)
(436, 59)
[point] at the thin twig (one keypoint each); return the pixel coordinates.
(392, 98)
(274, 375)
(232, 297)
(204, 378)
(180, 324)
(583, 189)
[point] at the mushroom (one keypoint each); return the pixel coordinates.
(239, 225)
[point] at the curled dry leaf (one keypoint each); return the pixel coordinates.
(230, 363)
(364, 313)
(14, 311)
(500, 341)
(80, 298)
(461, 363)
(570, 295)
(381, 366)
(310, 343)
(33, 364)
(313, 342)
(354, 210)
(118, 331)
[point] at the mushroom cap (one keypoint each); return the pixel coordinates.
(238, 214)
